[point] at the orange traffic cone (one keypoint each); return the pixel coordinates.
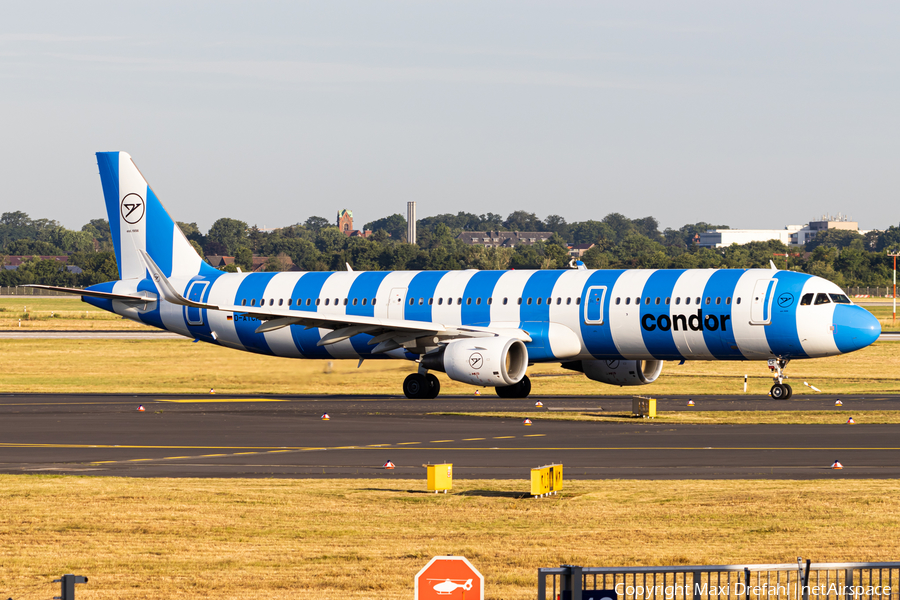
(141, 408)
(527, 422)
(539, 404)
(850, 421)
(690, 403)
(325, 417)
(212, 390)
(838, 403)
(837, 465)
(388, 465)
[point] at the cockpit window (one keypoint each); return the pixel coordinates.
(839, 299)
(822, 299)
(807, 299)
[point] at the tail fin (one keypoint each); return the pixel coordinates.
(138, 222)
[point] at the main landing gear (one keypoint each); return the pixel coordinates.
(421, 386)
(780, 390)
(517, 390)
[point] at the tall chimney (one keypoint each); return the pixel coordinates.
(411, 222)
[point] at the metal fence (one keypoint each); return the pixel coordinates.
(801, 581)
(18, 290)
(871, 292)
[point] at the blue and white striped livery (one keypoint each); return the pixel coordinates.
(480, 327)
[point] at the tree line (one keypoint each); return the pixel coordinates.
(844, 257)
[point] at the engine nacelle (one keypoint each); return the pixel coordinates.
(493, 361)
(618, 372)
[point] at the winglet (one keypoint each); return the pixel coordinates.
(772, 265)
(168, 291)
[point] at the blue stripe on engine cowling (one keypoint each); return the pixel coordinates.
(598, 338)
(108, 163)
(781, 333)
(475, 307)
(419, 291)
(720, 340)
(252, 287)
(309, 286)
(658, 335)
(365, 286)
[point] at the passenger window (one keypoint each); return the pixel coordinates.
(244, 302)
(336, 301)
(568, 301)
(807, 299)
(577, 300)
(318, 301)
(327, 301)
(738, 300)
(373, 301)
(698, 301)
(520, 302)
(345, 301)
(668, 300)
(430, 301)
(687, 300)
(280, 301)
(440, 301)
(558, 301)
(412, 301)
(728, 300)
(647, 300)
(657, 301)
(468, 301)
(718, 301)
(637, 300)
(539, 300)
(477, 301)
(490, 301)
(618, 300)
(290, 300)
(271, 301)
(549, 300)
(707, 300)
(678, 300)
(252, 301)
(839, 299)
(528, 301)
(365, 301)
(354, 302)
(628, 300)
(458, 301)
(822, 299)
(421, 301)
(505, 301)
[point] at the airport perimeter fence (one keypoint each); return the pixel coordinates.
(18, 290)
(869, 292)
(800, 581)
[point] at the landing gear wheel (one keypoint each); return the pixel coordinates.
(415, 386)
(780, 391)
(434, 386)
(790, 391)
(517, 390)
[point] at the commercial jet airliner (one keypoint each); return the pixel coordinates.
(484, 328)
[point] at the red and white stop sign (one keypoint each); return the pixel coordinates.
(449, 578)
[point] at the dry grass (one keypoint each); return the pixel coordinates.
(216, 538)
(720, 417)
(60, 314)
(179, 366)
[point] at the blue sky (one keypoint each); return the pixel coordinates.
(748, 114)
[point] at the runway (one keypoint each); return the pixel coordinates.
(284, 437)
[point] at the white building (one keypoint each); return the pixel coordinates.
(792, 235)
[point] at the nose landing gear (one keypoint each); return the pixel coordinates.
(780, 390)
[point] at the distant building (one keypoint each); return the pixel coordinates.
(792, 235)
(12, 263)
(345, 224)
(503, 239)
(578, 250)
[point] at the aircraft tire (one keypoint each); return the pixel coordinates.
(434, 386)
(517, 390)
(415, 386)
(779, 392)
(790, 391)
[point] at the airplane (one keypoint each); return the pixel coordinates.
(483, 328)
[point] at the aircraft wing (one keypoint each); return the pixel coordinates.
(388, 334)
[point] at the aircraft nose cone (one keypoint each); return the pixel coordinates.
(854, 328)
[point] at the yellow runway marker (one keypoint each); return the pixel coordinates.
(473, 439)
(536, 435)
(175, 457)
(210, 455)
(240, 453)
(439, 441)
(505, 437)
(213, 400)
(407, 443)
(138, 459)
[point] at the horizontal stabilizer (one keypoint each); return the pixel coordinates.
(93, 294)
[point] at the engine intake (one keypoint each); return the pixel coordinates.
(618, 372)
(494, 361)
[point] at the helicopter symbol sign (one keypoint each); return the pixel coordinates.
(450, 578)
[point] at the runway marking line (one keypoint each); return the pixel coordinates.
(536, 435)
(407, 443)
(175, 457)
(213, 400)
(473, 439)
(439, 441)
(505, 437)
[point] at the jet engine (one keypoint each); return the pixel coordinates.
(618, 372)
(487, 361)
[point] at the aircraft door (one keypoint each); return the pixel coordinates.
(195, 293)
(761, 302)
(593, 306)
(397, 303)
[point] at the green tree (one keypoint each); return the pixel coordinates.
(243, 258)
(226, 236)
(394, 225)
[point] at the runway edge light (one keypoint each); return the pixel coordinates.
(838, 403)
(837, 465)
(527, 422)
(141, 408)
(388, 465)
(326, 417)
(850, 421)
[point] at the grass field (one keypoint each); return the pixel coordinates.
(180, 366)
(216, 538)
